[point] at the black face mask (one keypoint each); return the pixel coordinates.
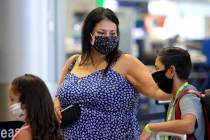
(106, 45)
(163, 82)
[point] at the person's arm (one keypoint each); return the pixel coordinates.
(24, 135)
(56, 101)
(189, 106)
(140, 77)
(184, 126)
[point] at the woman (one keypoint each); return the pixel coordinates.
(31, 102)
(104, 82)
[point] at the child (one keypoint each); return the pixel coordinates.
(173, 66)
(31, 102)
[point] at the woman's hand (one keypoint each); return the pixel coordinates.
(57, 109)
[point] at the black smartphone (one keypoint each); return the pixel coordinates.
(70, 115)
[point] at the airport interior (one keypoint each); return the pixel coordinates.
(38, 36)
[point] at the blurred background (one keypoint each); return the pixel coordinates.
(37, 36)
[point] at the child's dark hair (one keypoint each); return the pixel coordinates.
(178, 57)
(35, 97)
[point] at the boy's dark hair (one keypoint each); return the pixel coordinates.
(178, 57)
(35, 97)
(94, 17)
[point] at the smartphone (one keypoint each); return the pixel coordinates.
(70, 115)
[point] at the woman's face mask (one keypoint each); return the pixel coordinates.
(163, 82)
(105, 44)
(17, 112)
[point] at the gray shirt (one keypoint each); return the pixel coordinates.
(190, 104)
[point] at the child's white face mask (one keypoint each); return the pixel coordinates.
(17, 112)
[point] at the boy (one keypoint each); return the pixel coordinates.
(173, 66)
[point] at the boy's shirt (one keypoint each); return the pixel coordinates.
(190, 104)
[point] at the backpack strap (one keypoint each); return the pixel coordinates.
(178, 110)
(206, 112)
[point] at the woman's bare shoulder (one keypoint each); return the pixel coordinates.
(128, 60)
(72, 58)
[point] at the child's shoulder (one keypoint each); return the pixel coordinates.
(23, 133)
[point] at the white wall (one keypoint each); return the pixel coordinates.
(24, 44)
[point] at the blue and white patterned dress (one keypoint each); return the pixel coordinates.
(107, 105)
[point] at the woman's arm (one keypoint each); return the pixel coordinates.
(56, 101)
(140, 77)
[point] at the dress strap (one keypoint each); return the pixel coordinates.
(112, 65)
(72, 64)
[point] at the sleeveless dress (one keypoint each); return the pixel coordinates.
(107, 106)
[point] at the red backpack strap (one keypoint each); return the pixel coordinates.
(178, 110)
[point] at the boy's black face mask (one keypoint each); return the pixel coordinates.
(163, 82)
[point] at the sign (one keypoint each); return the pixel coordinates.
(9, 128)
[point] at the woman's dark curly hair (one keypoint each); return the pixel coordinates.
(35, 97)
